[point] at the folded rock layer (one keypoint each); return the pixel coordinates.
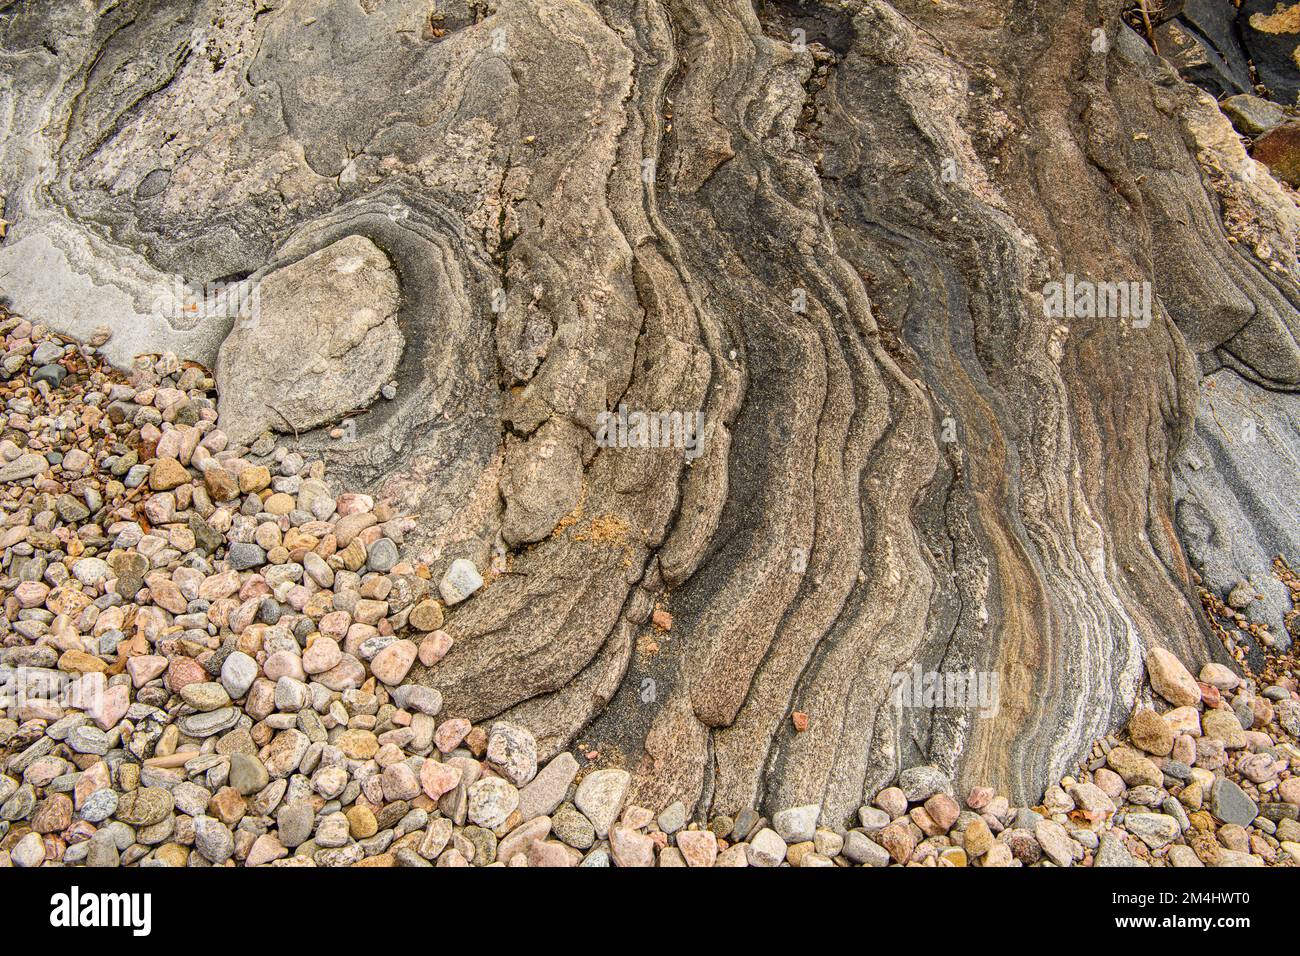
(832, 229)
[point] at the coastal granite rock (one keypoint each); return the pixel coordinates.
(323, 340)
(828, 227)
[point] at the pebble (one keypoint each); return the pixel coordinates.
(491, 801)
(208, 724)
(265, 849)
(102, 851)
(145, 806)
(362, 824)
(393, 663)
(295, 822)
(766, 849)
(521, 838)
(943, 810)
(29, 851)
(99, 806)
(1170, 679)
(1219, 676)
(549, 787)
(1252, 116)
(978, 838)
(1184, 857)
(245, 555)
(1154, 829)
(213, 839)
(572, 827)
(892, 801)
(166, 474)
(861, 849)
(1133, 768)
(873, 818)
(1151, 732)
(669, 820)
(699, 848)
(426, 616)
(600, 797)
(1230, 804)
(205, 696)
(248, 775)
(745, 823)
(630, 848)
(920, 783)
(334, 831)
(900, 840)
(461, 580)
(1056, 843)
(796, 824)
(401, 783)
(26, 466)
(53, 814)
(1092, 801)
(1112, 852)
(88, 740)
(512, 750)
(1225, 726)
(321, 655)
(238, 671)
(438, 778)
(383, 556)
(545, 853)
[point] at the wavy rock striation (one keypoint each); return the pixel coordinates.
(834, 230)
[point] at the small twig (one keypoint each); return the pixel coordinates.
(179, 759)
(1215, 416)
(1146, 21)
(285, 418)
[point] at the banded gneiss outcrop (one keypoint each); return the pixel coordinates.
(836, 244)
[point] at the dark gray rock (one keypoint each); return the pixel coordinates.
(1270, 40)
(1229, 803)
(1112, 852)
(244, 555)
(1252, 115)
(1234, 488)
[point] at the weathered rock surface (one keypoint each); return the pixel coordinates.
(324, 341)
(837, 252)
